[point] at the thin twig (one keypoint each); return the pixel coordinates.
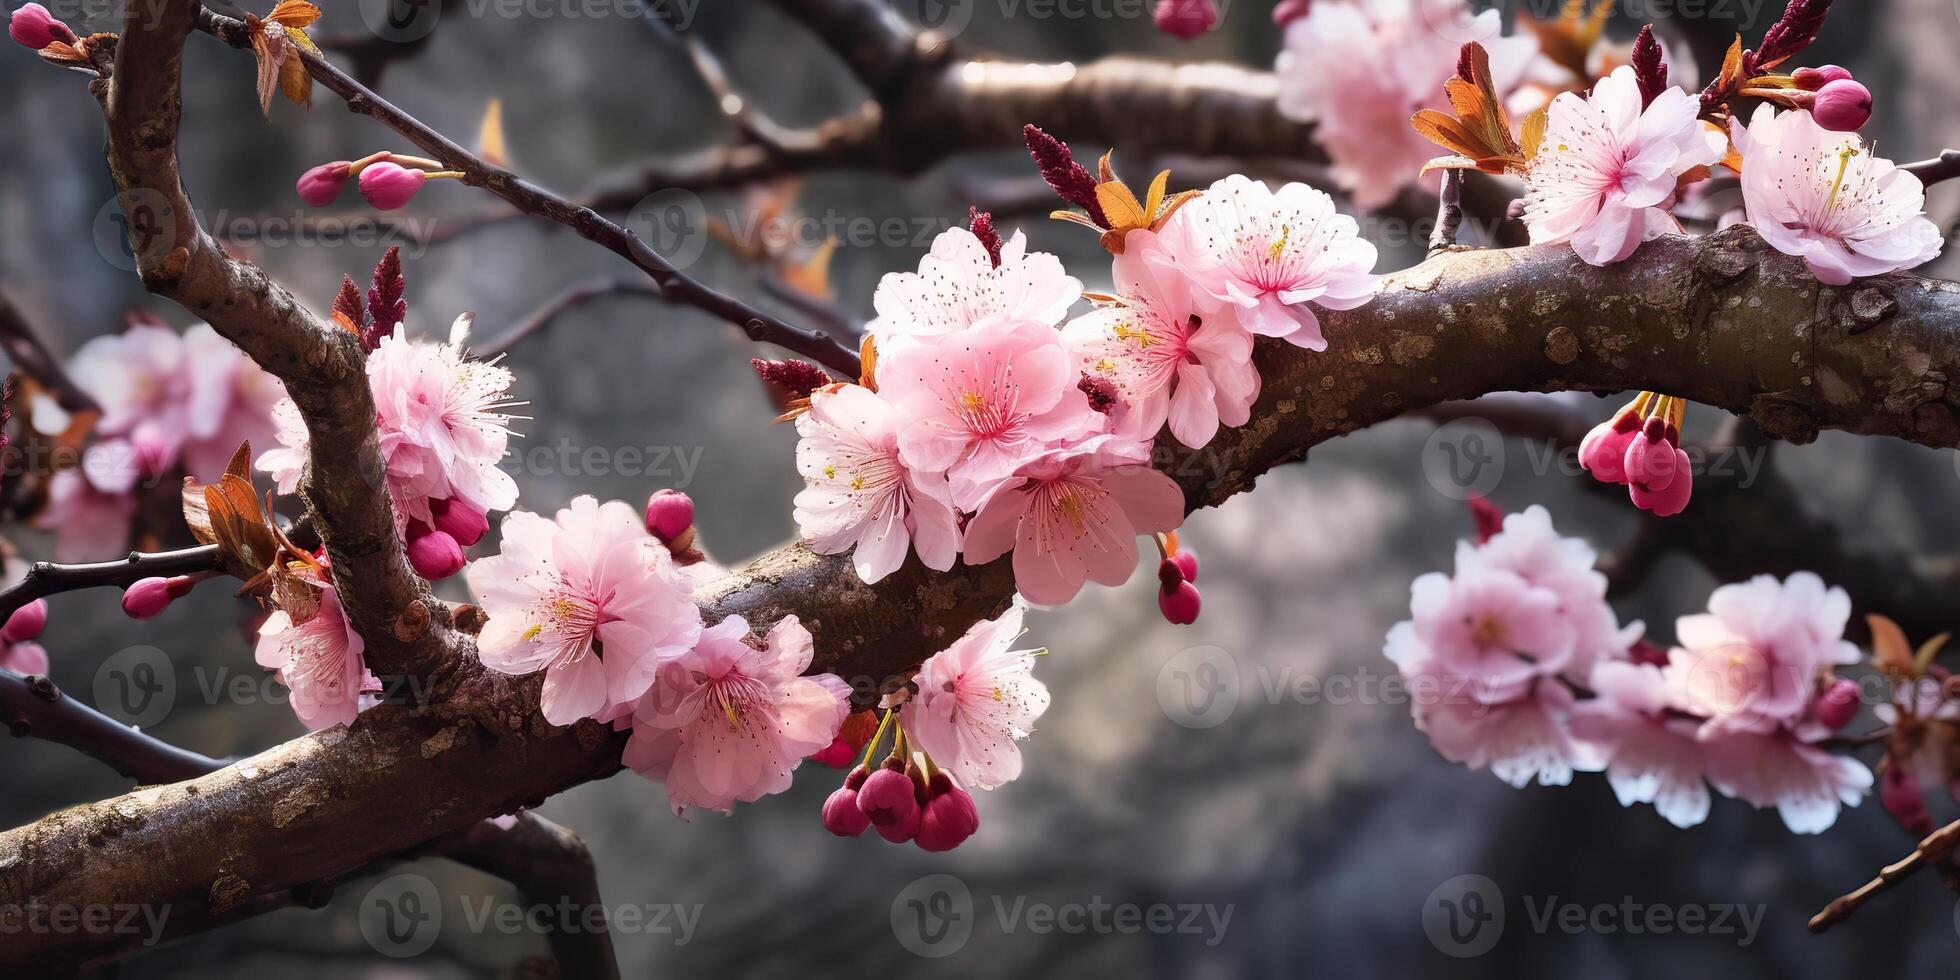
(33, 707)
(575, 295)
(1943, 167)
(34, 359)
(1932, 850)
(45, 578)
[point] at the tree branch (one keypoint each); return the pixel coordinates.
(1934, 849)
(33, 707)
(45, 578)
(33, 359)
(1792, 353)
(549, 865)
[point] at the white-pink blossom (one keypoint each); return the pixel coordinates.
(1072, 514)
(860, 495)
(958, 287)
(1824, 196)
(979, 403)
(1806, 784)
(1606, 169)
(1171, 353)
(1531, 548)
(976, 699)
(591, 599)
(729, 720)
(1274, 255)
(320, 661)
(1652, 753)
(90, 524)
(1752, 663)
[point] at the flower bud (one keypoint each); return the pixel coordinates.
(1603, 452)
(1185, 18)
(33, 26)
(1842, 106)
(1649, 461)
(837, 755)
(1672, 500)
(949, 817)
(321, 185)
(1288, 11)
(390, 186)
(1836, 706)
(841, 813)
(1899, 791)
(669, 514)
(1180, 604)
(1186, 561)
(459, 519)
(887, 798)
(435, 555)
(146, 597)
(26, 623)
(1812, 79)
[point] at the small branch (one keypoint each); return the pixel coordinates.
(1449, 212)
(46, 578)
(372, 54)
(549, 865)
(822, 311)
(34, 359)
(33, 707)
(573, 296)
(1932, 850)
(1943, 167)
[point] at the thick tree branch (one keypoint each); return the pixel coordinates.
(1720, 320)
(32, 707)
(549, 865)
(322, 366)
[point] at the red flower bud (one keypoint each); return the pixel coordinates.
(1179, 605)
(459, 519)
(1836, 706)
(435, 555)
(321, 185)
(1813, 79)
(841, 813)
(390, 186)
(949, 817)
(1842, 106)
(1185, 18)
(26, 623)
(146, 597)
(34, 27)
(669, 514)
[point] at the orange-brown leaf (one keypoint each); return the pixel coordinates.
(1448, 132)
(1889, 647)
(294, 82)
(1120, 206)
(868, 363)
(1533, 133)
(294, 13)
(490, 135)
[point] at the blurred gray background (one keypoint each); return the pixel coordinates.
(1322, 827)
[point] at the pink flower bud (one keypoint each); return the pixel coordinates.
(1186, 561)
(390, 186)
(459, 519)
(1649, 462)
(1289, 11)
(26, 623)
(321, 185)
(24, 658)
(837, 755)
(949, 818)
(1180, 604)
(1674, 499)
(887, 798)
(1812, 79)
(1899, 791)
(1186, 18)
(1603, 452)
(1842, 106)
(1836, 706)
(435, 555)
(669, 514)
(842, 815)
(33, 26)
(146, 597)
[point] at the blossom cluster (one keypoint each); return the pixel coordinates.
(1526, 671)
(992, 423)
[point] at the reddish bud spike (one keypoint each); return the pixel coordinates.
(1649, 67)
(1488, 517)
(796, 378)
(982, 225)
(387, 299)
(348, 303)
(1791, 33)
(1464, 68)
(1058, 167)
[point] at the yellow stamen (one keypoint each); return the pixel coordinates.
(1277, 248)
(532, 633)
(830, 472)
(1124, 331)
(1844, 161)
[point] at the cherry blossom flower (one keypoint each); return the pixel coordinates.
(443, 425)
(729, 720)
(1489, 627)
(958, 287)
(1360, 70)
(1653, 755)
(1528, 546)
(320, 661)
(88, 521)
(1171, 352)
(1606, 170)
(1805, 783)
(1073, 513)
(979, 403)
(1825, 197)
(591, 599)
(860, 495)
(976, 699)
(1752, 662)
(1272, 253)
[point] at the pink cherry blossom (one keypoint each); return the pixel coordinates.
(591, 599)
(1360, 70)
(1606, 170)
(1805, 783)
(1490, 627)
(1824, 196)
(860, 494)
(90, 524)
(976, 699)
(1271, 254)
(320, 662)
(1751, 664)
(958, 287)
(1529, 547)
(979, 403)
(729, 720)
(1172, 353)
(1073, 513)
(1518, 740)
(443, 424)
(1653, 755)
